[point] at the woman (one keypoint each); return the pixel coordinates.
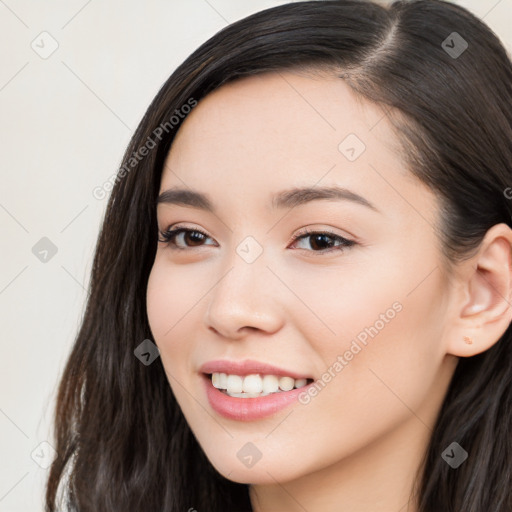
(300, 298)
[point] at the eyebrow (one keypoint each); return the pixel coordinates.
(285, 199)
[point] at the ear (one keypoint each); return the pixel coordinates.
(484, 299)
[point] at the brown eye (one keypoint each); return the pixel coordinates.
(190, 238)
(325, 241)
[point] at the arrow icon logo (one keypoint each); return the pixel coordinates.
(146, 352)
(249, 254)
(249, 455)
(44, 44)
(454, 455)
(454, 45)
(44, 250)
(43, 454)
(351, 147)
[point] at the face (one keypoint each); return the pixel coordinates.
(341, 289)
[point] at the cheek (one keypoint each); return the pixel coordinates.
(169, 298)
(160, 303)
(376, 330)
(381, 365)
(170, 302)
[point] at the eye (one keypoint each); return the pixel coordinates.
(194, 236)
(324, 241)
(320, 241)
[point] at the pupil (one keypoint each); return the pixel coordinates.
(195, 236)
(317, 237)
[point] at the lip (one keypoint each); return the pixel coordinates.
(248, 367)
(250, 409)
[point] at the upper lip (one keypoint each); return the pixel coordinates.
(248, 367)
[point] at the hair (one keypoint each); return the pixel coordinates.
(122, 441)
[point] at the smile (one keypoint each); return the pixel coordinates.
(244, 407)
(255, 385)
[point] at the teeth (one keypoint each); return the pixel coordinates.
(300, 383)
(254, 385)
(286, 383)
(270, 384)
(247, 395)
(234, 384)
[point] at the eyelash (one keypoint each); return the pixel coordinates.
(169, 235)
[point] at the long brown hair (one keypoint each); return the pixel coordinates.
(121, 439)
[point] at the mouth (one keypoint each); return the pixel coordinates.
(255, 385)
(253, 396)
(250, 390)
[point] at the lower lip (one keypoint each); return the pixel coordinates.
(249, 409)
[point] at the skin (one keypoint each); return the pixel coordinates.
(361, 439)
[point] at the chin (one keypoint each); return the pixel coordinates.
(267, 471)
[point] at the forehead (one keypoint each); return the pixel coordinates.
(307, 114)
(268, 132)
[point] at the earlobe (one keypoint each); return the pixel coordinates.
(485, 310)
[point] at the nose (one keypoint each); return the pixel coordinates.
(245, 298)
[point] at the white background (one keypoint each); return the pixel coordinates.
(65, 122)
